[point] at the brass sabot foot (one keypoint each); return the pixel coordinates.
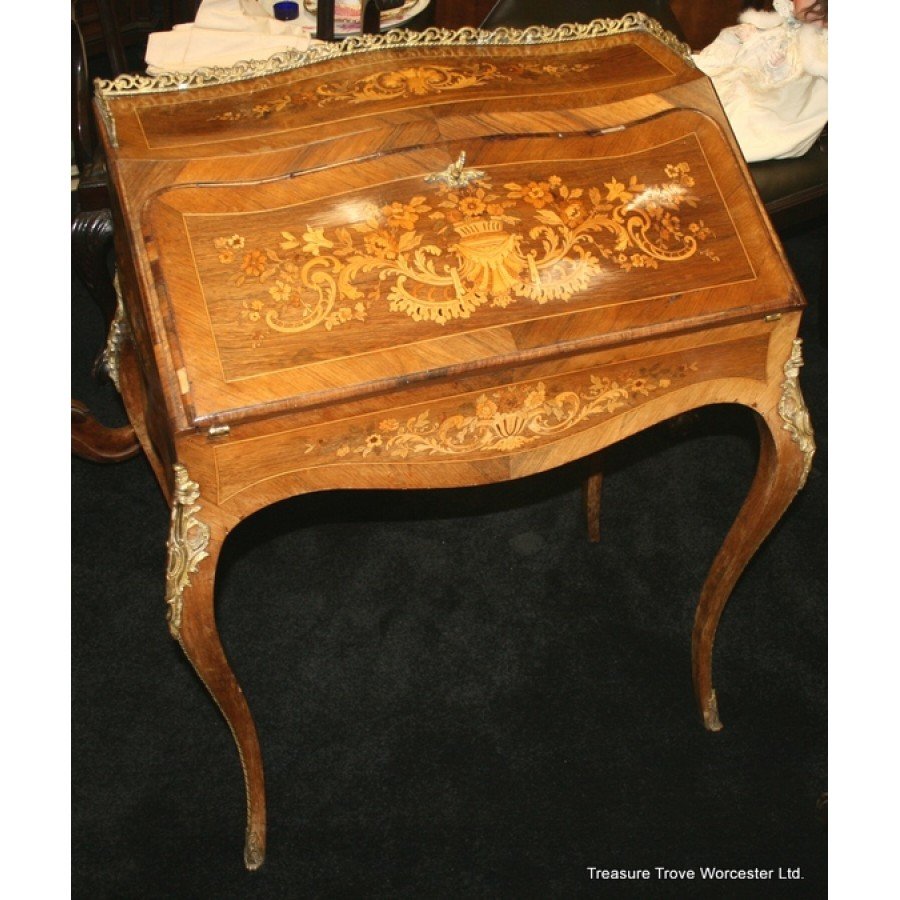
(711, 719)
(254, 851)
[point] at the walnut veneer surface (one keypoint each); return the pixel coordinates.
(433, 260)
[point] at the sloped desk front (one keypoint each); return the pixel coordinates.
(433, 260)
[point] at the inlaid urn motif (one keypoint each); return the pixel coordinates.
(468, 244)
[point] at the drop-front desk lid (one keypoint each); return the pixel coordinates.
(428, 261)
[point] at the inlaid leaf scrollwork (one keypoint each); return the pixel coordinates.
(441, 256)
(421, 80)
(511, 418)
(415, 81)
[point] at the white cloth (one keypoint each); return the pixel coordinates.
(226, 32)
(771, 74)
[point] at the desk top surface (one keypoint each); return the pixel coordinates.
(351, 87)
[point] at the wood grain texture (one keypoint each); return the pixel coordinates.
(438, 266)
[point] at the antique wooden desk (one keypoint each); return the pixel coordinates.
(436, 259)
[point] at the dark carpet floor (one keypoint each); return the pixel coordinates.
(457, 695)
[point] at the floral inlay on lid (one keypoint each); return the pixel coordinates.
(440, 257)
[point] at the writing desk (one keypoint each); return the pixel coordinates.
(431, 260)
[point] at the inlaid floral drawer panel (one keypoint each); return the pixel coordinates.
(430, 261)
(476, 422)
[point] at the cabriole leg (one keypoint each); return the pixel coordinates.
(786, 452)
(194, 545)
(99, 443)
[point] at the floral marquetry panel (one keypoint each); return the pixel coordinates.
(480, 422)
(422, 261)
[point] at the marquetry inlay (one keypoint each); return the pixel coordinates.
(445, 253)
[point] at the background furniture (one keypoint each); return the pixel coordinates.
(371, 17)
(92, 223)
(108, 39)
(115, 31)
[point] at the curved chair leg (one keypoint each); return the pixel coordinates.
(593, 489)
(786, 451)
(99, 443)
(92, 235)
(194, 545)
